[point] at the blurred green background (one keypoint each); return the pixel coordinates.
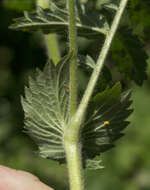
(127, 167)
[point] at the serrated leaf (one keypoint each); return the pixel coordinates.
(105, 120)
(130, 56)
(46, 108)
(55, 20)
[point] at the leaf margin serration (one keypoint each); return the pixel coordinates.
(44, 117)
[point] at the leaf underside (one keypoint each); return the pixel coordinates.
(46, 114)
(55, 20)
(46, 108)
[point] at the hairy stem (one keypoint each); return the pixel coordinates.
(73, 48)
(77, 120)
(51, 41)
(71, 138)
(74, 161)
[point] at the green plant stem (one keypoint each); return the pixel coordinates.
(71, 138)
(72, 133)
(53, 51)
(77, 120)
(74, 162)
(51, 41)
(73, 48)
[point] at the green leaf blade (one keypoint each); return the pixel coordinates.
(46, 108)
(55, 20)
(106, 120)
(132, 62)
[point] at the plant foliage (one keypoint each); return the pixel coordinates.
(128, 50)
(55, 20)
(46, 114)
(92, 24)
(105, 120)
(46, 108)
(139, 13)
(132, 62)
